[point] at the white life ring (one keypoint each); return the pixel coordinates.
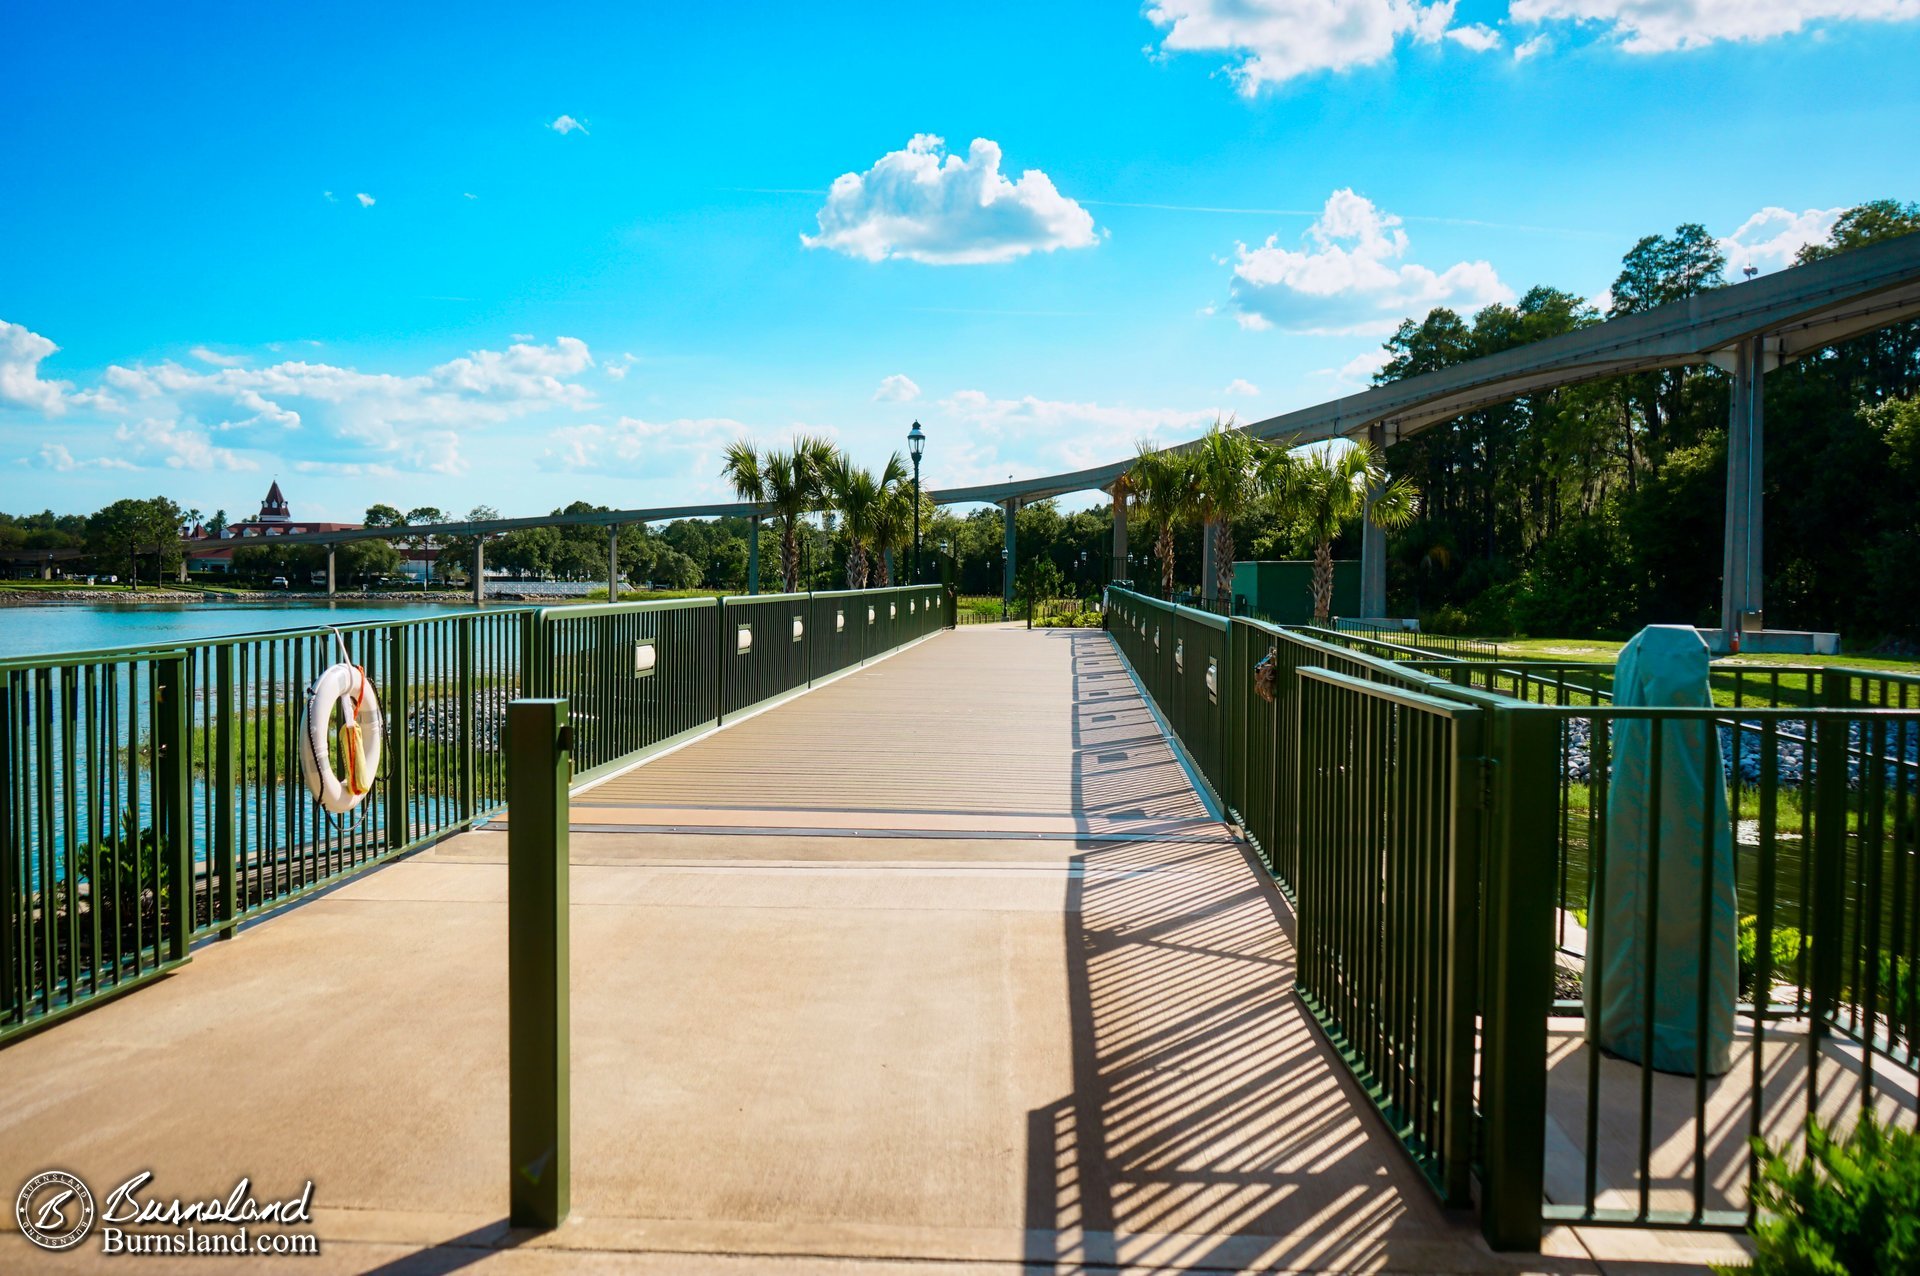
(347, 686)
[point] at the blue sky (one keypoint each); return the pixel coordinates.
(520, 255)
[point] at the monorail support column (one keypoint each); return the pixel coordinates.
(333, 580)
(753, 554)
(479, 571)
(1742, 595)
(1373, 541)
(613, 562)
(1012, 506)
(1119, 570)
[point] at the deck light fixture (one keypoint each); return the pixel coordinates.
(916, 444)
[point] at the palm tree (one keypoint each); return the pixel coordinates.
(1324, 493)
(893, 516)
(1160, 485)
(790, 483)
(860, 498)
(1229, 471)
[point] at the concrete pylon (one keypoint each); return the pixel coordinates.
(479, 571)
(1742, 584)
(1119, 570)
(333, 586)
(1011, 506)
(613, 562)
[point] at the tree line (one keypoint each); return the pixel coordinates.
(1590, 509)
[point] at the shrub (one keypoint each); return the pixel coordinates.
(1850, 1206)
(1786, 944)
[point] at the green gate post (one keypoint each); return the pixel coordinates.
(173, 820)
(539, 768)
(1828, 923)
(399, 819)
(1517, 938)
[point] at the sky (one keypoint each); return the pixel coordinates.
(515, 255)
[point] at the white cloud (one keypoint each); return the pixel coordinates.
(617, 368)
(1542, 43)
(177, 447)
(1240, 385)
(1357, 371)
(928, 206)
(1276, 40)
(567, 124)
(984, 435)
(685, 454)
(1477, 36)
(55, 456)
(1661, 26)
(20, 354)
(319, 412)
(1772, 237)
(898, 388)
(1349, 279)
(206, 354)
(469, 195)
(328, 196)
(366, 200)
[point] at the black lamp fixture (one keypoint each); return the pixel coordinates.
(916, 446)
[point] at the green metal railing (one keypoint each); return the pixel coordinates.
(153, 797)
(93, 759)
(1374, 782)
(1456, 646)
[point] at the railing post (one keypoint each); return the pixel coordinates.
(173, 821)
(539, 769)
(225, 861)
(464, 681)
(1517, 940)
(1828, 922)
(399, 820)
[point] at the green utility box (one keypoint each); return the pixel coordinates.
(1282, 590)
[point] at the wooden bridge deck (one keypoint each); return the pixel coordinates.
(945, 961)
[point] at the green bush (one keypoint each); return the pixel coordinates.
(1787, 943)
(1849, 1207)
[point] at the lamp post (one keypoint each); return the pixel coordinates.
(916, 444)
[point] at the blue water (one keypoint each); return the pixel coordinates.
(52, 628)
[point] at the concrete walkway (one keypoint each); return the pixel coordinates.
(943, 962)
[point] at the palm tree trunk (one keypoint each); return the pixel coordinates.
(1322, 582)
(856, 566)
(1163, 545)
(1223, 561)
(790, 555)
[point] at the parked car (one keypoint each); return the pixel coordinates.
(278, 582)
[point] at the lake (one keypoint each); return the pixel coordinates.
(51, 628)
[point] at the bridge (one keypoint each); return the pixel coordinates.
(1747, 329)
(897, 943)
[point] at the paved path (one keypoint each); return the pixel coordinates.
(945, 960)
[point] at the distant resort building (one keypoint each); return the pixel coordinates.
(276, 519)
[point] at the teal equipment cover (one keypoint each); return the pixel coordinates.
(1652, 956)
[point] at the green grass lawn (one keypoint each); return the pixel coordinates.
(1604, 651)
